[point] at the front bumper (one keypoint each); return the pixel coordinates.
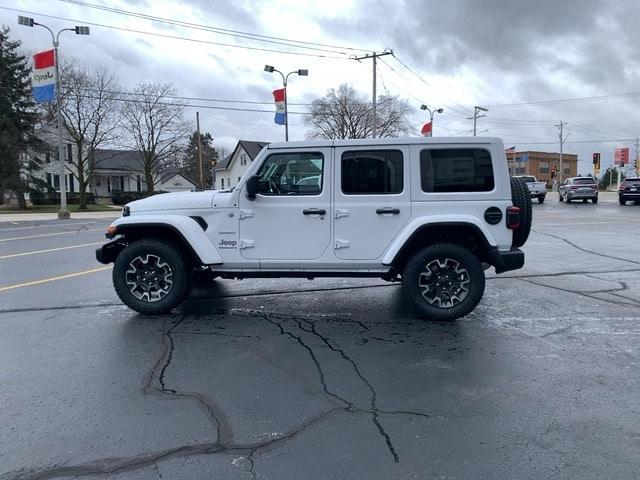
(108, 252)
(505, 261)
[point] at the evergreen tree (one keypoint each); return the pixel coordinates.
(18, 117)
(209, 154)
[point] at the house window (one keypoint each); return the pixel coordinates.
(49, 179)
(71, 183)
(69, 152)
(222, 182)
(56, 182)
(243, 159)
(544, 167)
(138, 184)
(47, 157)
(98, 180)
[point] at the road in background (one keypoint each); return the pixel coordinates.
(275, 379)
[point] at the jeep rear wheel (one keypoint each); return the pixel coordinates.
(443, 281)
(151, 276)
(521, 198)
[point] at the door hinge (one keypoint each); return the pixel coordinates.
(341, 212)
(244, 243)
(245, 214)
(341, 243)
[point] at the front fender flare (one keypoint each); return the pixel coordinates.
(185, 227)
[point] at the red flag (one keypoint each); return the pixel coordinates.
(426, 129)
(44, 59)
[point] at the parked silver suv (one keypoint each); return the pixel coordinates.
(579, 188)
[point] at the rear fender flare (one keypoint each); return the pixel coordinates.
(435, 221)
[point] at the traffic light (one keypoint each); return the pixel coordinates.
(596, 163)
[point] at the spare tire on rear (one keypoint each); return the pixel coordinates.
(521, 198)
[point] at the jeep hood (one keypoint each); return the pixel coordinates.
(173, 201)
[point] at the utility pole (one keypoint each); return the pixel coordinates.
(562, 140)
(199, 150)
(374, 57)
(636, 164)
(477, 109)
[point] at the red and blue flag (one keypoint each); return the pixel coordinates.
(44, 76)
(279, 98)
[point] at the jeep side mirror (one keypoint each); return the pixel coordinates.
(253, 187)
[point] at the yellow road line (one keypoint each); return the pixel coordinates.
(49, 250)
(51, 234)
(53, 279)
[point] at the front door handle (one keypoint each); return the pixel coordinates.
(314, 211)
(388, 211)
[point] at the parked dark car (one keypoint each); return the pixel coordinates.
(579, 188)
(629, 190)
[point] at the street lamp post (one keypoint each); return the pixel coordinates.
(431, 114)
(285, 78)
(80, 30)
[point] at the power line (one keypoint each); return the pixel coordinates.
(175, 37)
(217, 30)
(568, 100)
(189, 105)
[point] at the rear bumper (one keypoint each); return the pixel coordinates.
(505, 261)
(572, 195)
(630, 195)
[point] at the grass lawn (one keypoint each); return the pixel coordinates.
(55, 208)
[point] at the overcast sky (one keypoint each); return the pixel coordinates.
(532, 64)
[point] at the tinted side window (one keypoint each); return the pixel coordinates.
(291, 174)
(456, 170)
(369, 172)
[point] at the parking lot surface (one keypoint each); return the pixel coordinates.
(325, 379)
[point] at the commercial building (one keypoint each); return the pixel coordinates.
(544, 166)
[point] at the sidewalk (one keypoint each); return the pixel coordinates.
(31, 217)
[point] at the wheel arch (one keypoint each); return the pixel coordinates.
(184, 232)
(465, 234)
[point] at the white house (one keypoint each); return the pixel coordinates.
(122, 170)
(50, 165)
(229, 171)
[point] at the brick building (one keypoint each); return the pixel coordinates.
(542, 164)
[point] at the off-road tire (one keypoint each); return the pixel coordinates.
(560, 199)
(164, 265)
(622, 201)
(540, 199)
(594, 200)
(443, 281)
(521, 198)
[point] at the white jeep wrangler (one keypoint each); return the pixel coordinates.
(430, 212)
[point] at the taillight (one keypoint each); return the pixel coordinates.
(513, 217)
(573, 188)
(622, 186)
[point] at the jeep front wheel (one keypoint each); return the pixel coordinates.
(443, 281)
(151, 276)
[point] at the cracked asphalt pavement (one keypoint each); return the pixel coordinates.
(325, 379)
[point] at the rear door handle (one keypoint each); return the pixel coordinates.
(314, 211)
(388, 211)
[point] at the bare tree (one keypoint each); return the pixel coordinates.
(344, 113)
(90, 110)
(156, 126)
